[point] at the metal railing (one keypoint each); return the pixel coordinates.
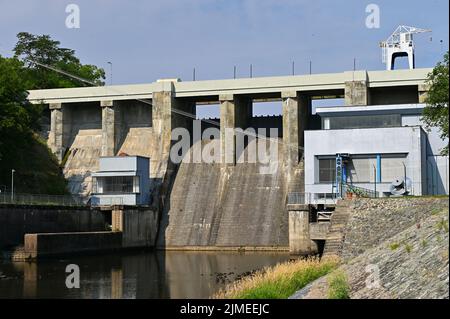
(311, 198)
(98, 201)
(52, 200)
(359, 191)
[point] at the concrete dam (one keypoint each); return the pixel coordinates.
(237, 206)
(206, 205)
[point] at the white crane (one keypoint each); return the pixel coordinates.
(400, 44)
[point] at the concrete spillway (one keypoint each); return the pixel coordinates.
(234, 206)
(82, 160)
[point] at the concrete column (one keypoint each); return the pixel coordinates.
(356, 89)
(111, 127)
(299, 235)
(56, 136)
(163, 103)
(423, 92)
(235, 112)
(291, 136)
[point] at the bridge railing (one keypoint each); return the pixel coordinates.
(34, 199)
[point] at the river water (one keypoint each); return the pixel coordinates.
(157, 274)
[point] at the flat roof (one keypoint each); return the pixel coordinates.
(371, 109)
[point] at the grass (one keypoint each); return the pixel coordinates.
(408, 248)
(394, 246)
(37, 170)
(280, 281)
(442, 225)
(338, 287)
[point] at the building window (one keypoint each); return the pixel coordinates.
(327, 170)
(363, 121)
(116, 184)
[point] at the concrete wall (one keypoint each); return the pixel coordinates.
(212, 205)
(54, 244)
(300, 242)
(139, 226)
(399, 140)
(16, 221)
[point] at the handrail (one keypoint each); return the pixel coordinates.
(359, 191)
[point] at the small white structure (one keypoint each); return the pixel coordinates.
(122, 180)
(400, 44)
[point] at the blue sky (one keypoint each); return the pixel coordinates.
(147, 40)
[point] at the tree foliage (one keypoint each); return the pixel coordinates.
(20, 147)
(42, 49)
(436, 112)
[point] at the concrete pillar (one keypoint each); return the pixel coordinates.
(163, 103)
(111, 127)
(295, 114)
(235, 112)
(423, 92)
(356, 90)
(299, 235)
(116, 284)
(56, 137)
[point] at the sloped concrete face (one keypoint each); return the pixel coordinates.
(82, 141)
(232, 206)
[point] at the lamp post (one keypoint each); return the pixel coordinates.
(12, 184)
(110, 73)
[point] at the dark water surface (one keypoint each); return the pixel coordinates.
(160, 274)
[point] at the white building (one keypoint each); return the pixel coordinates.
(379, 144)
(121, 181)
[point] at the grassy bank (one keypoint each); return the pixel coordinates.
(37, 170)
(279, 282)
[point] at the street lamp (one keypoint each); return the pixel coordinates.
(12, 184)
(110, 73)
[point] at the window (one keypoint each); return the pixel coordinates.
(327, 170)
(364, 121)
(116, 184)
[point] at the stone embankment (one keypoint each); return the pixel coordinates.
(393, 248)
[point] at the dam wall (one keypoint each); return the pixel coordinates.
(211, 205)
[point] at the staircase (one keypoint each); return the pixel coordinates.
(335, 237)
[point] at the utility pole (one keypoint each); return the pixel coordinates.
(251, 70)
(193, 75)
(310, 67)
(12, 184)
(234, 72)
(293, 67)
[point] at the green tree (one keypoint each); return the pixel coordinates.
(37, 170)
(436, 111)
(16, 114)
(43, 50)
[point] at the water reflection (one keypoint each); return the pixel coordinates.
(159, 274)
